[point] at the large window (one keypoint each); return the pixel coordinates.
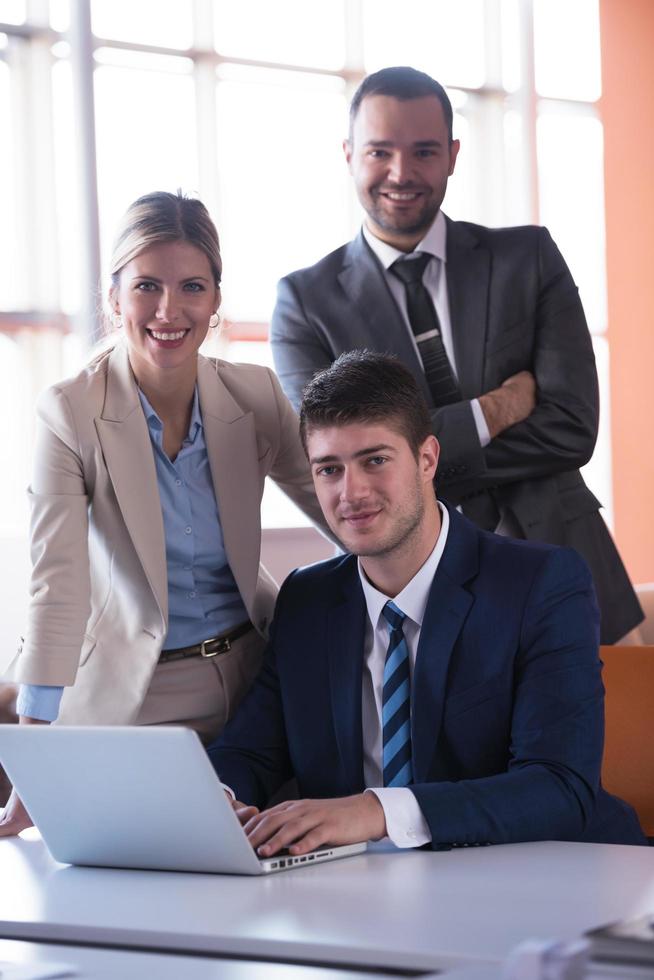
(246, 104)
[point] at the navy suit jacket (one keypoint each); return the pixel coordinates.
(507, 697)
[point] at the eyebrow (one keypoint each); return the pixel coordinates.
(368, 451)
(418, 143)
(144, 275)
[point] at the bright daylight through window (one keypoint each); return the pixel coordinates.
(189, 95)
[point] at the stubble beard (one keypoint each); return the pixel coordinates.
(422, 223)
(401, 536)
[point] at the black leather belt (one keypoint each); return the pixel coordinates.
(208, 648)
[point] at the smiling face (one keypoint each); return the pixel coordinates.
(400, 157)
(165, 296)
(377, 497)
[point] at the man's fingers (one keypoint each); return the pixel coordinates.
(315, 838)
(310, 842)
(270, 831)
(261, 828)
(302, 825)
(244, 812)
(273, 818)
(298, 835)
(522, 377)
(522, 383)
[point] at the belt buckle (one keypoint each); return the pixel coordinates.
(223, 645)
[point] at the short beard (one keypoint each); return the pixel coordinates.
(403, 533)
(422, 224)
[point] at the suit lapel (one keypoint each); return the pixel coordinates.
(363, 282)
(468, 278)
(231, 440)
(125, 440)
(447, 608)
(345, 639)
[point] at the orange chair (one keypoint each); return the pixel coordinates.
(628, 764)
(645, 593)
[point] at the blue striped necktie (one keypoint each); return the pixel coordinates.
(396, 716)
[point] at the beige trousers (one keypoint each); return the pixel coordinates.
(203, 693)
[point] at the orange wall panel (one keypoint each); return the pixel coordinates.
(627, 107)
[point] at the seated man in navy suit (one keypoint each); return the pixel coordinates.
(438, 684)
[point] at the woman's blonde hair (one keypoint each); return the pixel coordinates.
(164, 217)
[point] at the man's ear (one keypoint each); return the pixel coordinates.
(428, 457)
(347, 150)
(455, 146)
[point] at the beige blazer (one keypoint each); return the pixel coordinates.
(99, 595)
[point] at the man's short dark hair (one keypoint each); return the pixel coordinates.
(401, 83)
(362, 386)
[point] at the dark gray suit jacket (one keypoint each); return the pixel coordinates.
(513, 306)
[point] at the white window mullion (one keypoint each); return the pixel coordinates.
(82, 63)
(30, 64)
(19, 168)
(527, 106)
(352, 10)
(204, 72)
(487, 119)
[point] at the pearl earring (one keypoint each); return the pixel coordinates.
(214, 319)
(117, 320)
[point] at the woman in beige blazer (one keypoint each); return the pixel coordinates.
(111, 443)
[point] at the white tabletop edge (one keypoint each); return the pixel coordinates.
(308, 953)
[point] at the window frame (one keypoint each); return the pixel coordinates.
(31, 49)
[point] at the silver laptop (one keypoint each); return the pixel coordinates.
(134, 797)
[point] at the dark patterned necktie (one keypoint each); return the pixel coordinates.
(426, 329)
(396, 713)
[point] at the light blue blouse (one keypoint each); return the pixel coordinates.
(203, 598)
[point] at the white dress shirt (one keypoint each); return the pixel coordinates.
(435, 282)
(405, 823)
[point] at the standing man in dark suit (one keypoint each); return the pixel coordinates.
(444, 687)
(488, 321)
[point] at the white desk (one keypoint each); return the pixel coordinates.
(93, 963)
(96, 963)
(385, 909)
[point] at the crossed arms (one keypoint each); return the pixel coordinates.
(541, 406)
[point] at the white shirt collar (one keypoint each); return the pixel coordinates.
(412, 600)
(434, 243)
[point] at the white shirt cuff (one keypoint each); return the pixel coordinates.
(405, 823)
(480, 422)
